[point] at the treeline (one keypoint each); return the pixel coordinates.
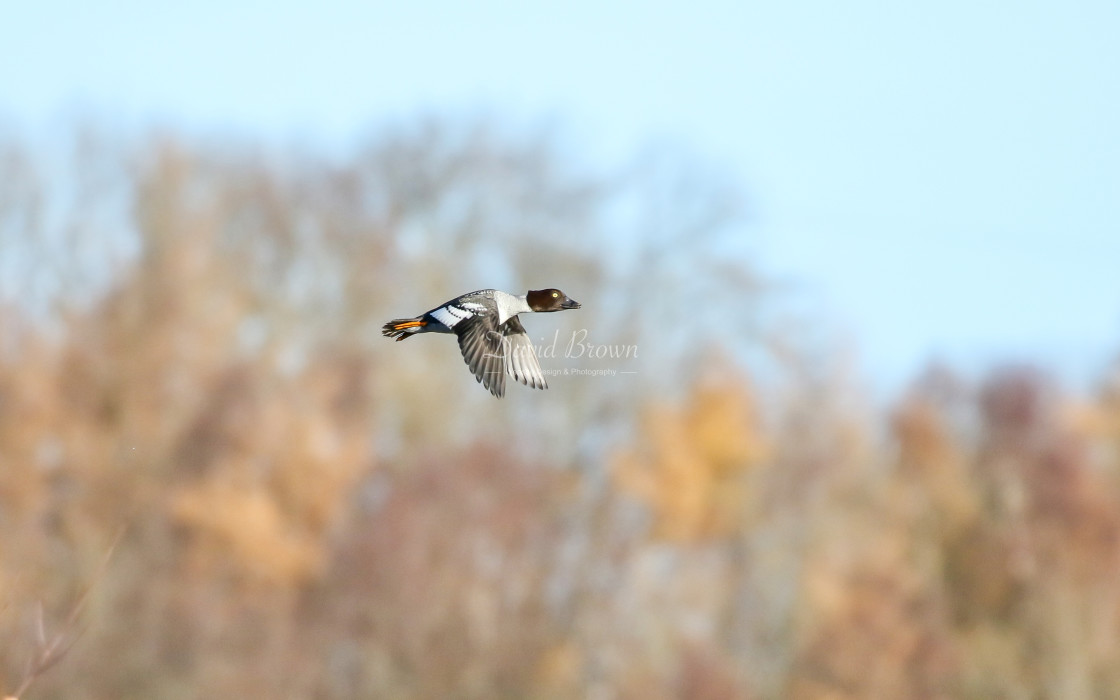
(190, 351)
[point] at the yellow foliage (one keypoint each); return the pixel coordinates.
(691, 465)
(721, 424)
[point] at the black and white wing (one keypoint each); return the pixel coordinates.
(490, 351)
(520, 358)
(454, 312)
(481, 344)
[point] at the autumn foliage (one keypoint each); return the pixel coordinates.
(190, 367)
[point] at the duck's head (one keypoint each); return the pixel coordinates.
(550, 300)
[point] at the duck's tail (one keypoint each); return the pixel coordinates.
(401, 328)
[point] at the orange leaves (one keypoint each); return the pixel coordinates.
(276, 470)
(241, 527)
(691, 464)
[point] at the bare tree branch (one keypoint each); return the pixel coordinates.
(49, 651)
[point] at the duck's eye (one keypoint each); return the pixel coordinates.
(556, 295)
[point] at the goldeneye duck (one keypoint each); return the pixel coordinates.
(491, 337)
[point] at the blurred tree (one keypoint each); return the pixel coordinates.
(690, 465)
(190, 345)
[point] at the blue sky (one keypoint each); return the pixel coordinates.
(942, 178)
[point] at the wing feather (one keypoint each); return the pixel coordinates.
(520, 358)
(481, 345)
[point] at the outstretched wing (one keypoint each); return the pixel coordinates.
(481, 344)
(520, 358)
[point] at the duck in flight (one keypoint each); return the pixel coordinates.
(491, 337)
